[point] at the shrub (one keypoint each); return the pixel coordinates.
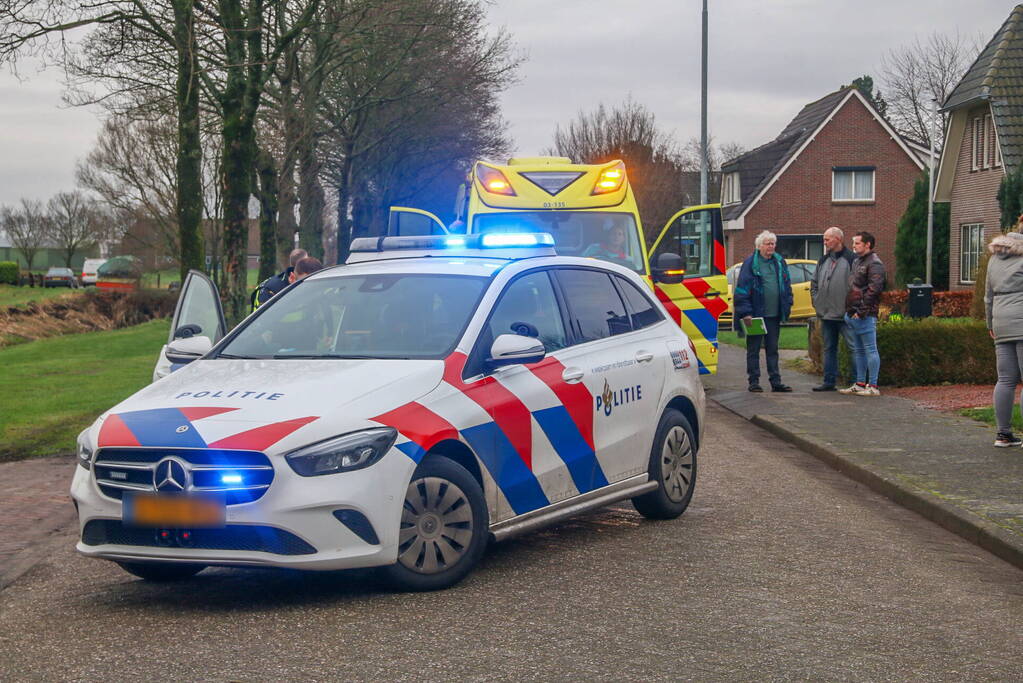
(943, 304)
(932, 351)
(8, 272)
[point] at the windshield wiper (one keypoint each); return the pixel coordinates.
(316, 356)
(231, 356)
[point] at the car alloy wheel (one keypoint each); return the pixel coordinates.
(677, 464)
(436, 526)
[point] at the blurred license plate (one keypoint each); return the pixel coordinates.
(190, 512)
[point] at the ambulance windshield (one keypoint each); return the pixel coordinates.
(407, 316)
(595, 234)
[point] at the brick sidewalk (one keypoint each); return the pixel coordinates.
(939, 465)
(35, 506)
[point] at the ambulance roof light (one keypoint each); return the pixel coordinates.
(611, 179)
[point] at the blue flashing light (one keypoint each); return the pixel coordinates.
(454, 242)
(231, 479)
(513, 239)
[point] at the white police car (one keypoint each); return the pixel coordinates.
(397, 412)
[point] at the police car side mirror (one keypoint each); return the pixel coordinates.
(188, 349)
(669, 269)
(514, 349)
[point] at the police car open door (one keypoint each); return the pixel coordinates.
(197, 314)
(404, 221)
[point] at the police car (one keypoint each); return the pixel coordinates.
(398, 412)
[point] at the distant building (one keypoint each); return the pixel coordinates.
(983, 143)
(47, 256)
(838, 162)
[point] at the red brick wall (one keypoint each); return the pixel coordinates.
(974, 199)
(799, 202)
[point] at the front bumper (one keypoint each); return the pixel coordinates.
(292, 525)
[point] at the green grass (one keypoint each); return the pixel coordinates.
(19, 296)
(790, 338)
(987, 416)
(173, 275)
(51, 389)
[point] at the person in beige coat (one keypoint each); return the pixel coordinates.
(1003, 301)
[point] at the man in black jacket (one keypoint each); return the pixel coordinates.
(266, 289)
(828, 290)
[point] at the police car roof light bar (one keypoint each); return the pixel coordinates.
(453, 243)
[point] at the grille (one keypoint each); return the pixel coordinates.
(266, 539)
(131, 469)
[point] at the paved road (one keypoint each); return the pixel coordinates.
(781, 569)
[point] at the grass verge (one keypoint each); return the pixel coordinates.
(790, 338)
(19, 296)
(51, 389)
(987, 416)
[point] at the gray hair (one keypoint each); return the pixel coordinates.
(763, 237)
(837, 232)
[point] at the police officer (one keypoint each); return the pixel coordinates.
(266, 289)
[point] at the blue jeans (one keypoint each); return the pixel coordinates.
(831, 330)
(865, 356)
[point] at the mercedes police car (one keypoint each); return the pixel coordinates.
(396, 412)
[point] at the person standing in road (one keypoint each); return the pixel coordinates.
(828, 291)
(764, 290)
(866, 282)
(1003, 301)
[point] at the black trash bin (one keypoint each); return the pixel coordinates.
(919, 304)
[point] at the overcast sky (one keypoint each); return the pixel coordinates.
(767, 59)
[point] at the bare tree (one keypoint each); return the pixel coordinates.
(26, 228)
(920, 72)
(74, 223)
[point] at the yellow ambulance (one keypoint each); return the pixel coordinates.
(591, 211)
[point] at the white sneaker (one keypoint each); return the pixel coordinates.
(853, 389)
(869, 390)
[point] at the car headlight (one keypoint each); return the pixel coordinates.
(84, 452)
(342, 453)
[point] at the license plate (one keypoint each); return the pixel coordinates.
(190, 512)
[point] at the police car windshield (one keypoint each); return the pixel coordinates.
(411, 316)
(595, 234)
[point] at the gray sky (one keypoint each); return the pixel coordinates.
(767, 59)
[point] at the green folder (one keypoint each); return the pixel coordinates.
(755, 327)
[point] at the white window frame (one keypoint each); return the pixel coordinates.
(998, 147)
(731, 190)
(987, 141)
(974, 234)
(873, 181)
(978, 142)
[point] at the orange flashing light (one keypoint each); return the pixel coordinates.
(610, 179)
(675, 272)
(493, 180)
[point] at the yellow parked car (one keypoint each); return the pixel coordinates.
(801, 272)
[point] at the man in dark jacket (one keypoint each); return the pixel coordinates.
(828, 290)
(866, 282)
(266, 289)
(764, 290)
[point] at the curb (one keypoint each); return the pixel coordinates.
(972, 528)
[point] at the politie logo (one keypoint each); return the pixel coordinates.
(610, 399)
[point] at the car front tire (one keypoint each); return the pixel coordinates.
(161, 571)
(672, 466)
(443, 530)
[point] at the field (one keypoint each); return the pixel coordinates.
(53, 388)
(792, 337)
(19, 296)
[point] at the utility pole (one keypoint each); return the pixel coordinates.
(703, 114)
(930, 193)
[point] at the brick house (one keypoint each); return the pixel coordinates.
(983, 142)
(838, 162)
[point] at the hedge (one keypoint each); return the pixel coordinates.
(925, 351)
(8, 272)
(943, 304)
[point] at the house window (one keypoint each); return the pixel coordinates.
(978, 144)
(800, 247)
(987, 141)
(970, 247)
(998, 148)
(852, 184)
(731, 193)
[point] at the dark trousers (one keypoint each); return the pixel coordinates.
(770, 343)
(831, 331)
